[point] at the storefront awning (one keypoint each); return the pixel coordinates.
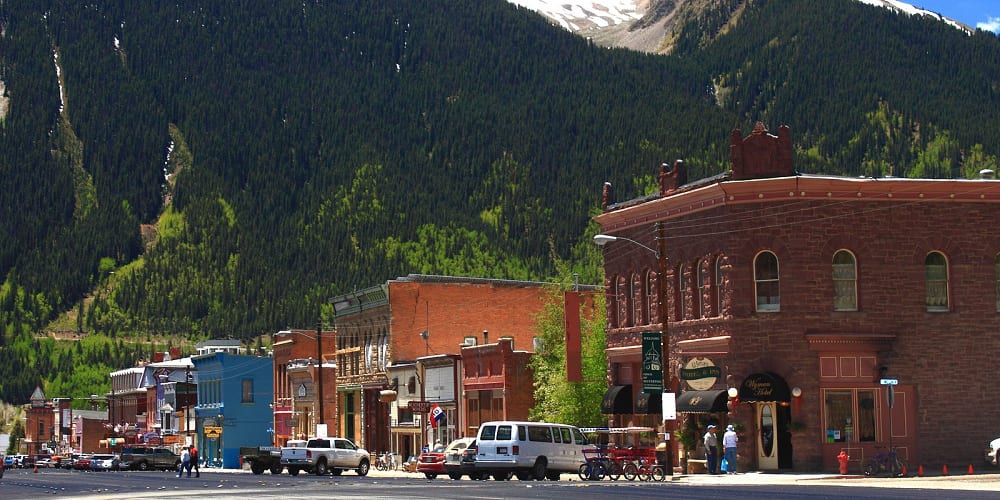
(617, 401)
(649, 403)
(702, 402)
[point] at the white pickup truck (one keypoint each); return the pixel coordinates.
(322, 456)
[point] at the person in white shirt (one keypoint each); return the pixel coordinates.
(185, 463)
(729, 440)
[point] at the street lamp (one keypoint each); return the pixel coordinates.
(661, 306)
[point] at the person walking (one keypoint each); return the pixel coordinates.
(194, 462)
(711, 450)
(729, 440)
(185, 463)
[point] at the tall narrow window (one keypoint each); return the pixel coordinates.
(681, 294)
(612, 298)
(703, 285)
(247, 390)
(653, 297)
(845, 282)
(637, 297)
(717, 289)
(766, 282)
(997, 272)
(936, 274)
(623, 303)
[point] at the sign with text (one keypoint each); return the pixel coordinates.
(213, 432)
(419, 406)
(652, 362)
(700, 373)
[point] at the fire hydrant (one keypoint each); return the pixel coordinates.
(843, 458)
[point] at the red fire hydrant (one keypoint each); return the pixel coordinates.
(843, 458)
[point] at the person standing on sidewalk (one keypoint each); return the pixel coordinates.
(185, 463)
(729, 440)
(194, 462)
(711, 450)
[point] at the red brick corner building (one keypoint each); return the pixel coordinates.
(811, 298)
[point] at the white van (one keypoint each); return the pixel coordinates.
(529, 450)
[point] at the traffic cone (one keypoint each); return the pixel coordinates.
(970, 470)
(36, 470)
(920, 470)
(944, 470)
(903, 472)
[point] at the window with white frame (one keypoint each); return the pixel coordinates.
(936, 276)
(845, 281)
(765, 271)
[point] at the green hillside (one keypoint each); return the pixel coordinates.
(283, 154)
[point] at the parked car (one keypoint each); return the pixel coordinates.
(432, 463)
(104, 462)
(462, 462)
(10, 461)
(991, 453)
(41, 461)
(82, 462)
(67, 461)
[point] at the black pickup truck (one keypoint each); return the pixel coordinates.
(262, 458)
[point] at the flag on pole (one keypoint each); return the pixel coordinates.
(437, 416)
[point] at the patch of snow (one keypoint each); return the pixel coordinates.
(575, 15)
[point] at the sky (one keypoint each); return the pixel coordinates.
(982, 14)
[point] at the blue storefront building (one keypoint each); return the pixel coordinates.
(234, 396)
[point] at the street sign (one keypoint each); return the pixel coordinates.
(889, 381)
(213, 432)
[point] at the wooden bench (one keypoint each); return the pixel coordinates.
(697, 466)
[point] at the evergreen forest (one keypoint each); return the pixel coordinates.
(191, 169)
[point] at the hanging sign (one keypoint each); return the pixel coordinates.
(652, 362)
(700, 373)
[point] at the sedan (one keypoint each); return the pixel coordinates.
(82, 462)
(460, 462)
(103, 463)
(431, 462)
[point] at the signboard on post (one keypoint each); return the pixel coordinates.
(652, 362)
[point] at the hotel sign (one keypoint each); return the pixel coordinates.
(700, 373)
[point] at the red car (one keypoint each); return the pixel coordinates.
(82, 463)
(431, 463)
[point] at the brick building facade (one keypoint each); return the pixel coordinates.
(802, 293)
(419, 317)
(297, 357)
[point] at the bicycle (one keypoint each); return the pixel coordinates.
(644, 469)
(885, 462)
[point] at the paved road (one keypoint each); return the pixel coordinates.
(24, 484)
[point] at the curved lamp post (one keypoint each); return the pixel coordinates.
(661, 291)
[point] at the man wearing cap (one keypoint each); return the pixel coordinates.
(711, 449)
(729, 440)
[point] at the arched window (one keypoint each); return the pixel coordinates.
(765, 272)
(681, 293)
(936, 275)
(653, 297)
(717, 289)
(621, 295)
(703, 286)
(636, 292)
(845, 281)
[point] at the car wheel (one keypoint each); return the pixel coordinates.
(276, 469)
(539, 469)
(294, 471)
(364, 467)
(454, 475)
(430, 475)
(502, 476)
(144, 465)
(256, 468)
(321, 469)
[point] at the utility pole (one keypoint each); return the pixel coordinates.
(661, 282)
(319, 369)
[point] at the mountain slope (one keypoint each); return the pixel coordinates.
(200, 168)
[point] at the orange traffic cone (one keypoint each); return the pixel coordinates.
(920, 470)
(36, 470)
(903, 472)
(944, 470)
(970, 469)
